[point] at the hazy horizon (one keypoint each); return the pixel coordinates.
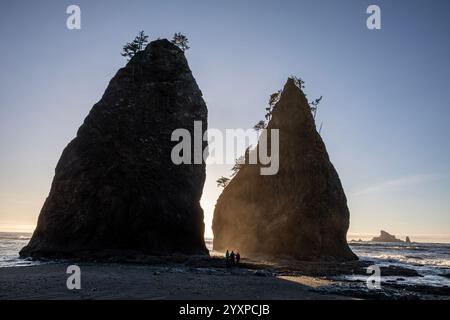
(421, 238)
(385, 107)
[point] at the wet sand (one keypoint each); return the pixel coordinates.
(203, 277)
(129, 281)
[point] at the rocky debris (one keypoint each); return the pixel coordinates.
(387, 271)
(423, 289)
(262, 273)
(116, 191)
(389, 291)
(299, 212)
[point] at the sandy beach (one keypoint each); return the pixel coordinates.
(127, 281)
(204, 278)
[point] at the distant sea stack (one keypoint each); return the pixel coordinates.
(301, 211)
(115, 189)
(387, 237)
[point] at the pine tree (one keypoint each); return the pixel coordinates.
(260, 126)
(138, 44)
(314, 105)
(222, 182)
(181, 41)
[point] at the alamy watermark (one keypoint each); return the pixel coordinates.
(74, 280)
(374, 20)
(73, 21)
(373, 282)
(227, 148)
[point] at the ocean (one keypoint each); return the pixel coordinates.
(431, 260)
(10, 245)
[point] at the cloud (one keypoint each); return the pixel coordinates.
(398, 183)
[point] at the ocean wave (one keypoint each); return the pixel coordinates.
(438, 262)
(15, 236)
(414, 254)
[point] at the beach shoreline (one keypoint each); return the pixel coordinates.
(206, 278)
(146, 282)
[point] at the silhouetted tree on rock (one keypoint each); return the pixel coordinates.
(222, 181)
(181, 41)
(138, 44)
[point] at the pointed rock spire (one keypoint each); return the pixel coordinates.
(302, 210)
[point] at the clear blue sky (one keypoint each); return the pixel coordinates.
(386, 92)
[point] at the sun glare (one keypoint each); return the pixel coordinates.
(17, 228)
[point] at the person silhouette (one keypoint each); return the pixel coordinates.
(238, 257)
(227, 258)
(232, 256)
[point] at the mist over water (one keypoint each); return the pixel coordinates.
(419, 238)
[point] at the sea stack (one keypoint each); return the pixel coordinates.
(301, 211)
(386, 237)
(116, 190)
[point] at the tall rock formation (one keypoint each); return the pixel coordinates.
(116, 188)
(301, 211)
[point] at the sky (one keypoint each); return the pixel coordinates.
(385, 108)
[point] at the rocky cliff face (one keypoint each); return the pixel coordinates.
(301, 211)
(115, 188)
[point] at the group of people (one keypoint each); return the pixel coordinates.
(232, 258)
